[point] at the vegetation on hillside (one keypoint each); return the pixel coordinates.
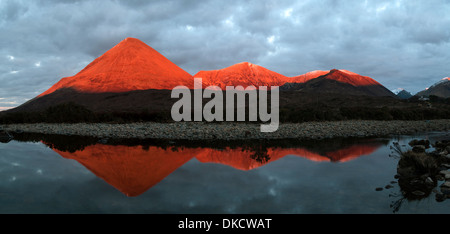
(322, 110)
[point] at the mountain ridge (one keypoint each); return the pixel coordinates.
(341, 82)
(131, 75)
(439, 89)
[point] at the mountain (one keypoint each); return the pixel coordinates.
(128, 66)
(402, 94)
(307, 76)
(440, 89)
(341, 82)
(130, 77)
(244, 74)
(247, 74)
(133, 82)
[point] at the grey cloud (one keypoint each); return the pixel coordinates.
(398, 43)
(10, 10)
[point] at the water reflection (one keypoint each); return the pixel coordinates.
(135, 166)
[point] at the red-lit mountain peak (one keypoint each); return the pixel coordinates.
(245, 74)
(349, 77)
(308, 76)
(130, 65)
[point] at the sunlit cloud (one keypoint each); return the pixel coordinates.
(3, 108)
(381, 8)
(189, 27)
(271, 39)
(9, 103)
(229, 22)
(287, 13)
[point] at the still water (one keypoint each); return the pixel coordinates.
(55, 174)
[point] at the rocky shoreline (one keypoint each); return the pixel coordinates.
(422, 170)
(234, 131)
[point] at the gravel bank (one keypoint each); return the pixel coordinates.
(236, 131)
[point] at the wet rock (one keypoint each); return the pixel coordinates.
(444, 172)
(418, 193)
(446, 184)
(440, 197)
(429, 181)
(379, 189)
(441, 144)
(445, 191)
(388, 186)
(424, 143)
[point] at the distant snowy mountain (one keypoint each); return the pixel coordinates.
(402, 93)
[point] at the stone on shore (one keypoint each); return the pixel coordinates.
(418, 193)
(445, 172)
(5, 137)
(446, 184)
(440, 197)
(238, 131)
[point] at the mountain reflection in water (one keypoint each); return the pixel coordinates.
(135, 167)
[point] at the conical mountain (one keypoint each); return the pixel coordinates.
(128, 66)
(402, 94)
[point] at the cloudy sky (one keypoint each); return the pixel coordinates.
(400, 43)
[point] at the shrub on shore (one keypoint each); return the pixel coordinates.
(73, 113)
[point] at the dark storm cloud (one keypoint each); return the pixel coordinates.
(399, 43)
